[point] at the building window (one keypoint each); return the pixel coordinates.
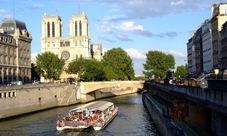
(87, 29)
(48, 29)
(14, 61)
(60, 30)
(80, 29)
(9, 71)
(76, 28)
(14, 72)
(4, 71)
(5, 49)
(53, 30)
(8, 50)
(4, 59)
(14, 94)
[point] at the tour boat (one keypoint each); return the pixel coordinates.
(96, 114)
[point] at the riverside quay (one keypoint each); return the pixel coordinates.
(192, 107)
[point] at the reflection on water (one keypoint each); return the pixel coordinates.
(132, 120)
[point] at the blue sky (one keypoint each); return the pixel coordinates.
(137, 26)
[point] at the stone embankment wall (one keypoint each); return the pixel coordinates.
(17, 100)
(163, 123)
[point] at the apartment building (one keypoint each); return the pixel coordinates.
(198, 51)
(219, 17)
(15, 52)
(191, 54)
(223, 41)
(207, 47)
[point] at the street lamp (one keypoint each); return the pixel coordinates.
(216, 71)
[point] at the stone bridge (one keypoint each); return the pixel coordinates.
(93, 89)
(87, 87)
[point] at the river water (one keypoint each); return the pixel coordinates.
(132, 120)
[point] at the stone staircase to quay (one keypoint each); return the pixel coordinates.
(68, 94)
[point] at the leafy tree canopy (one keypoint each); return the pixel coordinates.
(109, 73)
(180, 71)
(49, 66)
(77, 66)
(119, 64)
(93, 71)
(87, 69)
(158, 64)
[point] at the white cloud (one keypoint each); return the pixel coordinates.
(35, 6)
(133, 53)
(122, 37)
(33, 56)
(115, 18)
(106, 39)
(180, 2)
(128, 26)
(177, 54)
(5, 13)
(114, 10)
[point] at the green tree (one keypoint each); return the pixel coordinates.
(93, 71)
(109, 73)
(76, 67)
(49, 66)
(139, 78)
(158, 64)
(119, 63)
(87, 69)
(180, 71)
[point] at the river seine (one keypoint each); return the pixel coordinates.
(132, 120)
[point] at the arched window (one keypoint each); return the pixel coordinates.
(80, 28)
(76, 28)
(48, 29)
(87, 29)
(60, 30)
(53, 30)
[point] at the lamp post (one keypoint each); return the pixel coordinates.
(216, 71)
(203, 85)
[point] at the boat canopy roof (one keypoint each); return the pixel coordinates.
(96, 105)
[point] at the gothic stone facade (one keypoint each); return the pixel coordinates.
(76, 45)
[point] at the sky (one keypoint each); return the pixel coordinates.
(136, 26)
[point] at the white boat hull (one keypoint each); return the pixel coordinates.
(97, 128)
(70, 128)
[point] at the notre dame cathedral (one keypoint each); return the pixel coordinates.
(76, 45)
